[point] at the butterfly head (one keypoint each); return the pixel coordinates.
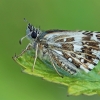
(31, 32)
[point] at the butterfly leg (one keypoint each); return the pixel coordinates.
(54, 65)
(27, 47)
(35, 56)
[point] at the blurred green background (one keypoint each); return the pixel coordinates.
(48, 14)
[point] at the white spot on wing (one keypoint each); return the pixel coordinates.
(77, 43)
(96, 61)
(63, 64)
(91, 66)
(82, 60)
(66, 68)
(78, 38)
(64, 39)
(94, 37)
(97, 53)
(77, 47)
(70, 59)
(82, 67)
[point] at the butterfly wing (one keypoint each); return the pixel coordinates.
(74, 50)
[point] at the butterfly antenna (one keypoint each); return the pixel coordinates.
(26, 20)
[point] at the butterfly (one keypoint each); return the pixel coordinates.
(71, 51)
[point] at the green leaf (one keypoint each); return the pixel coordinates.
(81, 83)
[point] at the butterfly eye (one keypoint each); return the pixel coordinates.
(34, 34)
